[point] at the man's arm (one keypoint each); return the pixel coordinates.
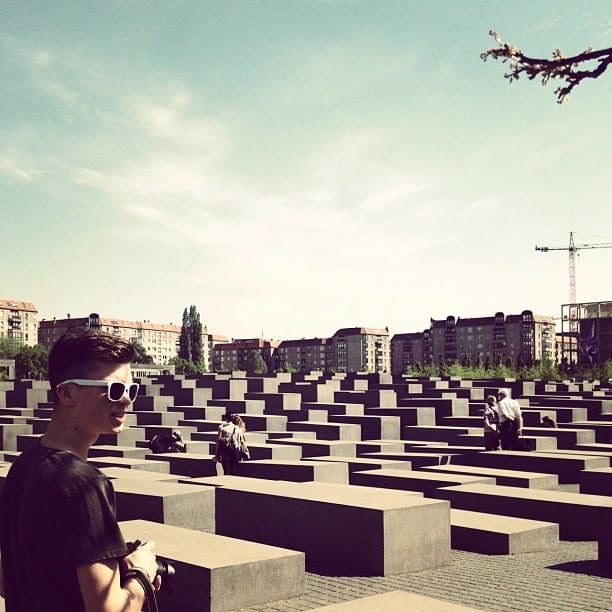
(100, 582)
(520, 418)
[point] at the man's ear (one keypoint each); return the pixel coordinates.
(64, 394)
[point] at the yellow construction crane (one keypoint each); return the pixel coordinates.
(573, 249)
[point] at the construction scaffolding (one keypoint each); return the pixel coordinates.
(586, 333)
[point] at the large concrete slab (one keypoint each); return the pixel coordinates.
(185, 464)
(410, 480)
(216, 573)
(491, 534)
(508, 478)
(328, 431)
(359, 464)
(296, 471)
(417, 459)
(372, 427)
(165, 502)
(9, 433)
(596, 482)
(567, 466)
(128, 462)
(580, 516)
(316, 448)
(340, 526)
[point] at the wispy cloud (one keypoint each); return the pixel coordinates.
(15, 171)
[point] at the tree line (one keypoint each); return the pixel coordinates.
(545, 370)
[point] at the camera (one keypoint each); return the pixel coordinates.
(165, 569)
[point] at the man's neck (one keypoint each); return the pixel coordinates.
(62, 436)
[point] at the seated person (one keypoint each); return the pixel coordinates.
(168, 443)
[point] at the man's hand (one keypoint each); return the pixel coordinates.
(144, 557)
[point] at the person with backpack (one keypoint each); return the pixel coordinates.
(230, 438)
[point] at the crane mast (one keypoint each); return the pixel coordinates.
(573, 249)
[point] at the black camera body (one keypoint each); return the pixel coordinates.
(165, 569)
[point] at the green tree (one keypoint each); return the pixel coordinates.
(183, 366)
(31, 362)
(572, 71)
(255, 363)
(191, 347)
(195, 332)
(185, 338)
(141, 355)
(9, 347)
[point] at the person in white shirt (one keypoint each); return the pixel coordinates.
(510, 420)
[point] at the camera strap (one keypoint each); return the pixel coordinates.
(142, 578)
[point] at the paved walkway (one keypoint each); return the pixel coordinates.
(568, 579)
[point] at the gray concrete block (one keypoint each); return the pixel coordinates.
(411, 415)
(278, 452)
(457, 406)
(579, 516)
(216, 573)
(266, 422)
(438, 433)
(372, 427)
(410, 480)
(9, 433)
(115, 473)
(106, 450)
(596, 482)
(277, 401)
(296, 471)
(359, 464)
(492, 534)
(328, 431)
(150, 417)
(567, 466)
(604, 548)
(508, 478)
(316, 448)
(416, 459)
(165, 502)
(153, 402)
(185, 464)
(128, 462)
(341, 526)
(377, 446)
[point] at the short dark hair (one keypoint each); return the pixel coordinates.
(76, 352)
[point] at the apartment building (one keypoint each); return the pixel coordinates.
(303, 355)
(208, 345)
(159, 341)
(406, 350)
(518, 339)
(232, 355)
(360, 349)
(19, 321)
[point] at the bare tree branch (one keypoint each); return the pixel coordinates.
(559, 67)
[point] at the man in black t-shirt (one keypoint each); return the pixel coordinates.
(62, 549)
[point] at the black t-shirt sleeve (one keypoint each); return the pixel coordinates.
(85, 514)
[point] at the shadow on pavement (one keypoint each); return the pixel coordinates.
(587, 566)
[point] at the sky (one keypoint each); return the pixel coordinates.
(295, 167)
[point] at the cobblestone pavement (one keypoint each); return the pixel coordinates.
(564, 580)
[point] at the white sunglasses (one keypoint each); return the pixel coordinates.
(115, 389)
